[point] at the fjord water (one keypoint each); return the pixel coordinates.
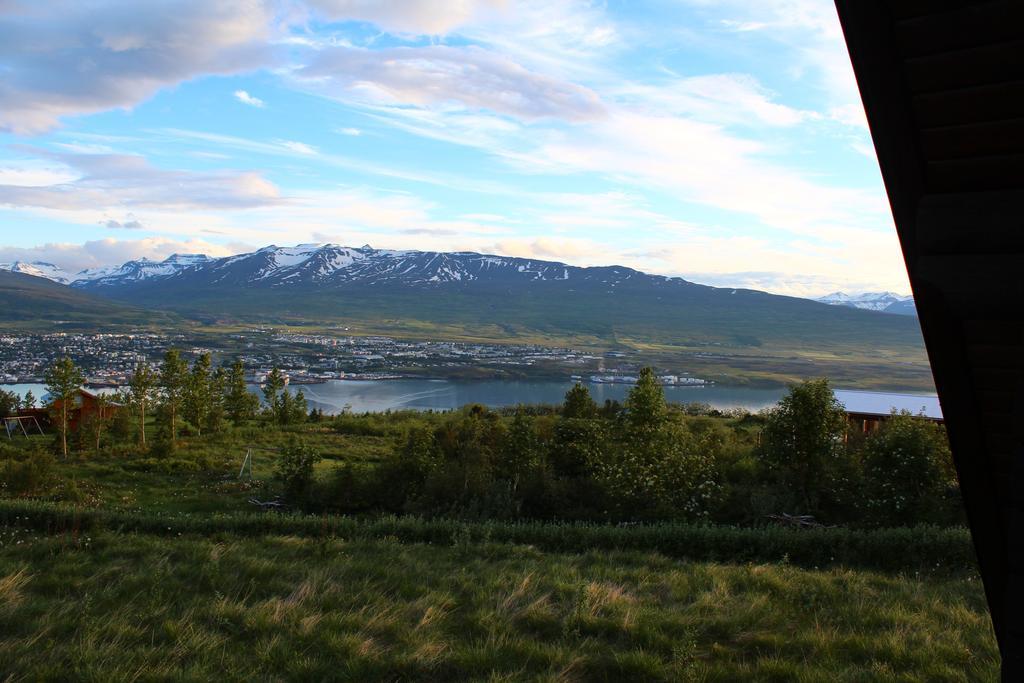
(424, 394)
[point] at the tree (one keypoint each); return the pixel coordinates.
(522, 450)
(197, 394)
(94, 425)
(213, 421)
(28, 401)
(173, 379)
(240, 404)
(659, 467)
(8, 403)
(295, 468)
(802, 443)
(908, 470)
(578, 403)
(300, 408)
(645, 410)
(63, 382)
(272, 386)
(140, 392)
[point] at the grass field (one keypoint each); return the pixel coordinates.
(109, 606)
(137, 567)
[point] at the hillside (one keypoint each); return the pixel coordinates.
(497, 297)
(31, 301)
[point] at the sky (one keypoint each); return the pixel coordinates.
(722, 141)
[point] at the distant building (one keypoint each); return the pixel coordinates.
(866, 410)
(87, 403)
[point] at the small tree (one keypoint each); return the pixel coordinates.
(95, 424)
(173, 378)
(646, 410)
(213, 421)
(272, 387)
(299, 409)
(241, 405)
(295, 468)
(63, 382)
(28, 401)
(8, 403)
(141, 388)
(802, 442)
(197, 394)
(578, 403)
(908, 469)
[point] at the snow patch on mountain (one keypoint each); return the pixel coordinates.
(886, 302)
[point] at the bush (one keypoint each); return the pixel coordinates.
(909, 472)
(294, 468)
(27, 472)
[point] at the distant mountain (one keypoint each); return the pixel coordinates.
(886, 302)
(33, 300)
(491, 297)
(131, 271)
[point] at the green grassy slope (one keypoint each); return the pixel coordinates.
(33, 302)
(115, 606)
(677, 314)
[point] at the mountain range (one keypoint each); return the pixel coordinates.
(480, 295)
(886, 302)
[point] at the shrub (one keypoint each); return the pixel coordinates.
(294, 468)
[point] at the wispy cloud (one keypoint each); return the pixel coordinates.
(65, 58)
(245, 98)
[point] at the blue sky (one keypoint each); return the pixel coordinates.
(721, 141)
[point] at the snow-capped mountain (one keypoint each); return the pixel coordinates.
(330, 264)
(487, 296)
(886, 302)
(40, 269)
(143, 269)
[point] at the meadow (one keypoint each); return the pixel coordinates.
(106, 606)
(128, 563)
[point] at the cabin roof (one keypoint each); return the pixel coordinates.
(883, 403)
(943, 85)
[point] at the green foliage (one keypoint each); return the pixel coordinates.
(294, 468)
(174, 380)
(803, 446)
(240, 405)
(63, 381)
(578, 403)
(29, 472)
(9, 403)
(141, 390)
(281, 597)
(909, 472)
(197, 395)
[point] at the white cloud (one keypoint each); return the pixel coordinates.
(65, 57)
(107, 252)
(349, 131)
(245, 98)
(721, 99)
(126, 181)
(422, 17)
(299, 147)
(439, 75)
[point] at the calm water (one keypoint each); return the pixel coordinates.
(423, 394)
(418, 394)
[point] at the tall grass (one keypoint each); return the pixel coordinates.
(917, 549)
(103, 606)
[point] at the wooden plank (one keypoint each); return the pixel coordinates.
(910, 9)
(973, 140)
(970, 26)
(971, 223)
(988, 65)
(976, 175)
(995, 275)
(970, 105)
